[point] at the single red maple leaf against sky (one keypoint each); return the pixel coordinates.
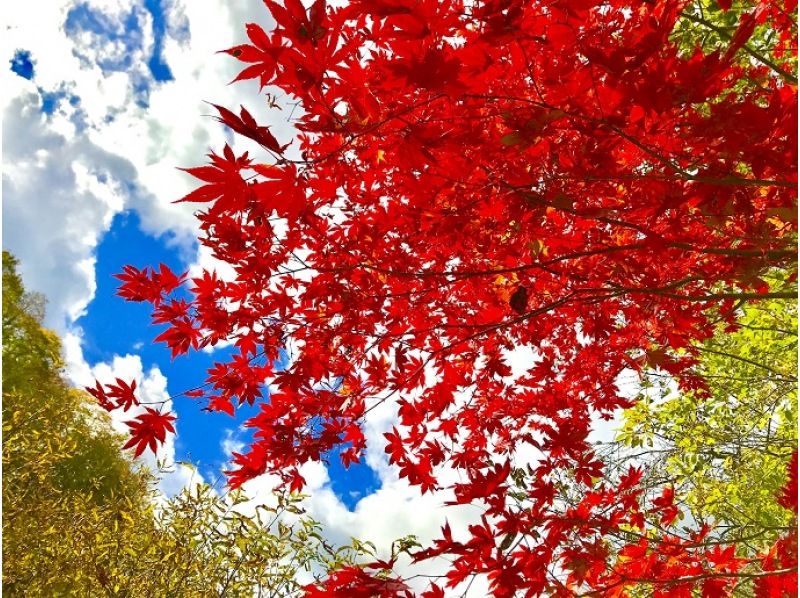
(149, 430)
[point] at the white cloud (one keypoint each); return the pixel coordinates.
(59, 197)
(231, 443)
(102, 150)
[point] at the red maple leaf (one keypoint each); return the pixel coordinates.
(788, 496)
(123, 392)
(149, 430)
(246, 126)
(263, 53)
(181, 336)
(99, 393)
(224, 183)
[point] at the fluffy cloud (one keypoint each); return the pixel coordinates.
(112, 136)
(59, 198)
(231, 443)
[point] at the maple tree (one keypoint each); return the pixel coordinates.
(581, 179)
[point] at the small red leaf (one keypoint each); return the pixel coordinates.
(149, 430)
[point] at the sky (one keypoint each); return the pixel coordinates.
(102, 101)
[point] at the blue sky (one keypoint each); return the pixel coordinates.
(109, 326)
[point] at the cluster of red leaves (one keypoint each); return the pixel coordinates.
(148, 429)
(120, 395)
(148, 284)
(473, 177)
(788, 497)
(781, 559)
(356, 582)
(780, 569)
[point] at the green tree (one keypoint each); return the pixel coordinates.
(80, 519)
(62, 467)
(712, 24)
(725, 449)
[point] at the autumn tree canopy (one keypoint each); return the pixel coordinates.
(598, 183)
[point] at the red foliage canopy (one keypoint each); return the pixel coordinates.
(469, 178)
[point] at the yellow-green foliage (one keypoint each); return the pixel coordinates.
(726, 453)
(80, 520)
(62, 468)
(706, 25)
